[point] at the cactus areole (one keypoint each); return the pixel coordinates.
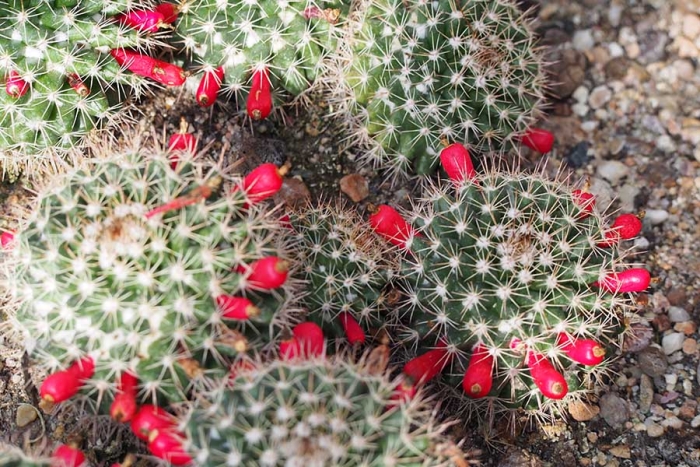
(507, 271)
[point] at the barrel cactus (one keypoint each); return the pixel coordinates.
(346, 267)
(409, 74)
(515, 286)
(64, 66)
(136, 274)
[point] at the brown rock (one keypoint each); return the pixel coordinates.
(661, 323)
(688, 409)
(355, 186)
(622, 451)
(294, 192)
(26, 414)
(617, 67)
(690, 346)
(567, 70)
(686, 327)
(677, 297)
(582, 411)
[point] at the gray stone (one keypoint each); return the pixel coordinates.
(652, 361)
(672, 342)
(656, 216)
(678, 315)
(613, 171)
(583, 40)
(646, 393)
(613, 409)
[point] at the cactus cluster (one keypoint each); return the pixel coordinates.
(411, 74)
(515, 286)
(60, 79)
(135, 274)
(346, 267)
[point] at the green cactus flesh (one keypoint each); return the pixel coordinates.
(346, 267)
(51, 45)
(311, 413)
(509, 262)
(96, 277)
(419, 72)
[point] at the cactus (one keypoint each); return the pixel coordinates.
(252, 49)
(414, 73)
(132, 278)
(63, 456)
(346, 267)
(314, 411)
(61, 80)
(515, 286)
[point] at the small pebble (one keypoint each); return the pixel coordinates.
(654, 430)
(582, 411)
(26, 414)
(646, 393)
(652, 361)
(622, 451)
(695, 422)
(687, 328)
(613, 409)
(673, 422)
(613, 171)
(672, 342)
(583, 40)
(599, 97)
(656, 216)
(690, 346)
(355, 186)
(578, 156)
(677, 314)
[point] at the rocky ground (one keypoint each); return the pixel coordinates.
(626, 112)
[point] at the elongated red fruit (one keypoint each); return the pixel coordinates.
(7, 239)
(62, 385)
(149, 67)
(209, 87)
(584, 351)
(143, 20)
(66, 456)
(403, 393)
(457, 162)
(538, 139)
(181, 141)
(388, 223)
(632, 280)
(266, 273)
(83, 368)
(263, 182)
(15, 86)
(478, 378)
(78, 86)
(167, 445)
(425, 367)
(169, 12)
(353, 330)
(307, 341)
(124, 406)
(549, 381)
(150, 418)
(259, 103)
(584, 200)
(625, 227)
(237, 308)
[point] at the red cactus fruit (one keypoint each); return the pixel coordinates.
(237, 308)
(150, 418)
(83, 368)
(263, 182)
(209, 87)
(259, 104)
(388, 223)
(584, 351)
(143, 20)
(632, 280)
(241, 366)
(181, 141)
(538, 140)
(67, 456)
(266, 273)
(143, 65)
(167, 445)
(62, 385)
(478, 378)
(6, 240)
(78, 86)
(307, 341)
(124, 406)
(169, 12)
(584, 200)
(403, 393)
(352, 328)
(549, 381)
(425, 367)
(457, 163)
(15, 86)
(625, 227)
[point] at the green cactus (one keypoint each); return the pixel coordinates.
(165, 273)
(414, 73)
(514, 286)
(315, 412)
(60, 80)
(285, 42)
(13, 457)
(346, 267)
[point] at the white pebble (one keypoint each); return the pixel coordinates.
(581, 94)
(599, 97)
(656, 216)
(672, 342)
(695, 422)
(641, 243)
(654, 430)
(678, 315)
(580, 109)
(673, 422)
(666, 144)
(671, 380)
(613, 171)
(583, 40)
(589, 126)
(615, 50)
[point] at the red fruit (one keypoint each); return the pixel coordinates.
(625, 227)
(62, 385)
(143, 20)
(585, 200)
(241, 366)
(478, 378)
(266, 273)
(632, 280)
(6, 240)
(550, 382)
(124, 406)
(143, 65)
(425, 367)
(388, 223)
(150, 418)
(66, 456)
(83, 368)
(538, 139)
(167, 445)
(263, 182)
(15, 86)
(403, 393)
(78, 86)
(457, 163)
(584, 351)
(307, 341)
(259, 104)
(209, 87)
(169, 12)
(286, 221)
(238, 308)
(181, 141)
(352, 328)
